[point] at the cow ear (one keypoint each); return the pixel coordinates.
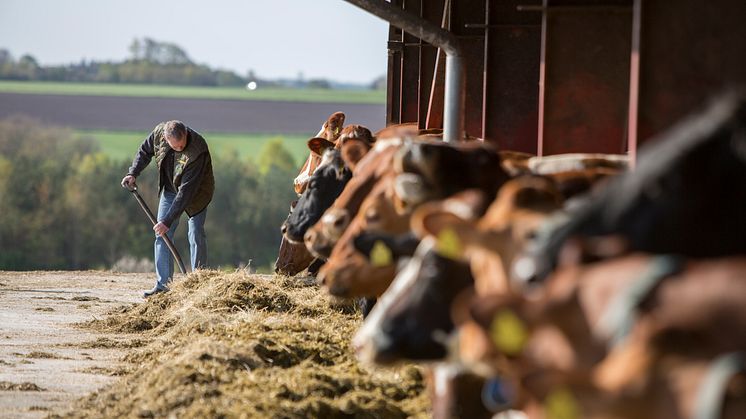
(353, 152)
(333, 125)
(410, 191)
(317, 145)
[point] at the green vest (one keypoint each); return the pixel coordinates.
(196, 146)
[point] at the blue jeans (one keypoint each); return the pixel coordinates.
(164, 262)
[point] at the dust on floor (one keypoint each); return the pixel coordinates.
(46, 361)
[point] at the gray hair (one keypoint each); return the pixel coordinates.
(174, 129)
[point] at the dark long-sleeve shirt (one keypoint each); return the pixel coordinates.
(191, 176)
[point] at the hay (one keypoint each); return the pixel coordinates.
(85, 298)
(240, 345)
(108, 343)
(25, 386)
(43, 355)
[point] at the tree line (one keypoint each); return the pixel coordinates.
(61, 205)
(149, 62)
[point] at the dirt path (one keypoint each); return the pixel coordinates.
(40, 346)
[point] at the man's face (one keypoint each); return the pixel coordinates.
(176, 143)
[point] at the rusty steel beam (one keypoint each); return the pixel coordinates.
(410, 68)
(453, 128)
(432, 11)
(634, 84)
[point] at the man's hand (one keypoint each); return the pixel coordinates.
(128, 182)
(160, 229)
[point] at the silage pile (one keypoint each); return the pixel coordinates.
(239, 345)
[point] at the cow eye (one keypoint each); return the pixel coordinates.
(311, 184)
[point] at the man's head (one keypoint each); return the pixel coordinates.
(174, 133)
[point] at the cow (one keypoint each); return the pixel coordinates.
(408, 322)
(639, 306)
(330, 131)
(354, 142)
(491, 242)
(678, 389)
(327, 182)
(292, 258)
(665, 204)
(388, 335)
(323, 187)
(447, 169)
(515, 163)
(556, 163)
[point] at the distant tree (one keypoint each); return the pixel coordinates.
(275, 154)
(135, 49)
(150, 61)
(379, 83)
(150, 50)
(319, 84)
(173, 54)
(5, 57)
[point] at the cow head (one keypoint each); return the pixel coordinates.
(322, 237)
(325, 185)
(355, 142)
(348, 273)
(326, 136)
(448, 169)
(492, 243)
(412, 319)
(292, 258)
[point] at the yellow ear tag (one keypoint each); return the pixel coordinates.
(508, 332)
(380, 255)
(449, 245)
(561, 404)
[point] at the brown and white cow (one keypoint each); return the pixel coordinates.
(329, 131)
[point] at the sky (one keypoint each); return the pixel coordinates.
(275, 38)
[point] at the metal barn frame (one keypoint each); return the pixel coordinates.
(558, 76)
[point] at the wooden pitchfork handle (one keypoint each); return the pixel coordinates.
(166, 239)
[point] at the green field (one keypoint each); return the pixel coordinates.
(195, 92)
(123, 144)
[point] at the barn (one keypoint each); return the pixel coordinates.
(560, 76)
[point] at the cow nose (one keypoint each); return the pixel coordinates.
(283, 228)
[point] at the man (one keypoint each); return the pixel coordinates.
(185, 183)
